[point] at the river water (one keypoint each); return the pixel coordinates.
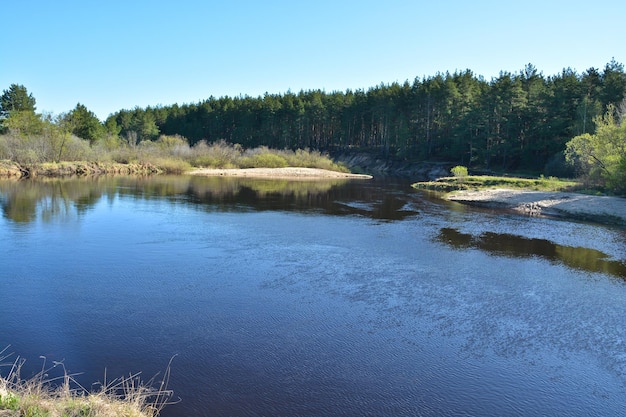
(292, 298)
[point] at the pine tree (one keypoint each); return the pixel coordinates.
(16, 98)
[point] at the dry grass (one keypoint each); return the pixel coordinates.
(65, 397)
(225, 155)
(168, 154)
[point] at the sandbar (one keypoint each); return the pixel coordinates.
(602, 209)
(288, 172)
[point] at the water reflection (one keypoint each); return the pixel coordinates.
(58, 199)
(25, 201)
(510, 245)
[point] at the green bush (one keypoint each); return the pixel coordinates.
(267, 160)
(215, 155)
(459, 171)
(310, 159)
(76, 149)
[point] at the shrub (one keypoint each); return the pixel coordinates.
(77, 149)
(124, 155)
(312, 159)
(107, 144)
(171, 165)
(170, 153)
(171, 142)
(459, 171)
(217, 154)
(266, 160)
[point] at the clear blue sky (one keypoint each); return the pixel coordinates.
(111, 55)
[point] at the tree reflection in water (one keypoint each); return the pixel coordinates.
(504, 244)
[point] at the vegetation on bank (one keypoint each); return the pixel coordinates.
(64, 397)
(77, 143)
(460, 180)
(166, 155)
(601, 156)
(565, 125)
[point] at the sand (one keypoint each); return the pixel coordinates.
(602, 209)
(289, 172)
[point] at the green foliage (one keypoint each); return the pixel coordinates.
(311, 159)
(136, 125)
(111, 127)
(34, 411)
(459, 171)
(8, 401)
(145, 126)
(217, 155)
(514, 121)
(32, 138)
(84, 124)
(16, 99)
(601, 157)
(487, 181)
(172, 143)
(25, 123)
(264, 160)
(107, 144)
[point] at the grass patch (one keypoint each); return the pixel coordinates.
(478, 182)
(64, 397)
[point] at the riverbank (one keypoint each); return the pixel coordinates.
(288, 172)
(599, 209)
(10, 169)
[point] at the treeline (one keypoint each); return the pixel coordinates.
(77, 143)
(517, 121)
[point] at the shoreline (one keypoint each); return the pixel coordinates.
(598, 209)
(296, 173)
(9, 169)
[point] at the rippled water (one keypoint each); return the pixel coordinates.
(314, 298)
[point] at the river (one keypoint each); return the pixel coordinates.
(309, 298)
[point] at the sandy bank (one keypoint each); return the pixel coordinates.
(602, 209)
(289, 172)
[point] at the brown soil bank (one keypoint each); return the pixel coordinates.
(289, 172)
(10, 169)
(65, 169)
(599, 209)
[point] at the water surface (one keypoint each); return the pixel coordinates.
(314, 298)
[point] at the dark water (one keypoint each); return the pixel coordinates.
(314, 298)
